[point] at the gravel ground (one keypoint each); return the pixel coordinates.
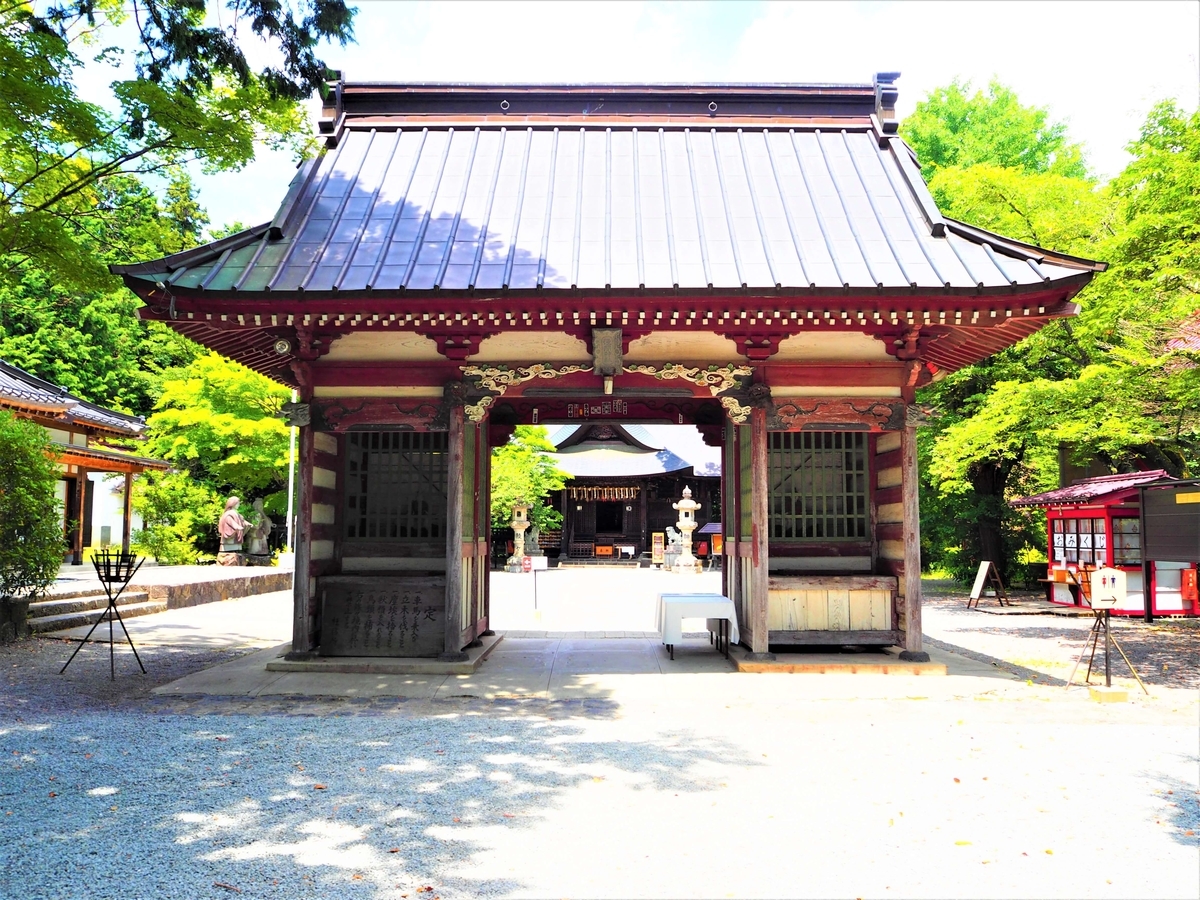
(693, 785)
(1166, 652)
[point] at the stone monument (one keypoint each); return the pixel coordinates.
(687, 524)
(256, 537)
(232, 528)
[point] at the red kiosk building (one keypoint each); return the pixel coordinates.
(762, 261)
(1097, 522)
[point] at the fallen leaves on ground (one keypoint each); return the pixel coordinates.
(319, 787)
(227, 887)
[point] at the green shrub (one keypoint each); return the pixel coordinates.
(31, 529)
(176, 511)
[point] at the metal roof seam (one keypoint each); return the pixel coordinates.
(545, 248)
(216, 269)
(637, 209)
(912, 282)
(427, 215)
(578, 237)
(1037, 269)
(817, 212)
(278, 226)
(368, 214)
(737, 257)
(337, 215)
(258, 252)
(516, 222)
(951, 243)
(908, 216)
(462, 199)
(758, 219)
(787, 212)
(281, 267)
(666, 182)
(487, 211)
(385, 246)
(687, 141)
(907, 164)
(858, 241)
(991, 254)
(607, 207)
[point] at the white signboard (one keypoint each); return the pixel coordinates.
(1108, 588)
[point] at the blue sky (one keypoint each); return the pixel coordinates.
(1099, 66)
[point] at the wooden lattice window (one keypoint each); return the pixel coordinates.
(396, 485)
(819, 486)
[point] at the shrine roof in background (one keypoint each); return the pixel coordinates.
(682, 448)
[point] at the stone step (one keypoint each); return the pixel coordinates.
(82, 603)
(63, 621)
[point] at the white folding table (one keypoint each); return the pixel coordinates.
(674, 608)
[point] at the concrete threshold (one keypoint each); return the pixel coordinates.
(886, 663)
(379, 665)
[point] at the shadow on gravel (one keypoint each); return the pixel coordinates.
(1164, 652)
(1183, 806)
(285, 807)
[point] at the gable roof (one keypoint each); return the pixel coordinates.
(649, 206)
(27, 393)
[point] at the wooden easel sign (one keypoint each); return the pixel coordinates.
(987, 574)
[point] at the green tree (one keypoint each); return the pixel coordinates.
(177, 513)
(216, 420)
(194, 97)
(522, 469)
(952, 127)
(91, 341)
(1104, 384)
(31, 534)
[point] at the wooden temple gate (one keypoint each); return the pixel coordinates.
(763, 262)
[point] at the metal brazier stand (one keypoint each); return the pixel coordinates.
(115, 571)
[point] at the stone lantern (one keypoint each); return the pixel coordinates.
(687, 524)
(520, 522)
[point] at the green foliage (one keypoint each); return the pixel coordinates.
(1103, 385)
(521, 469)
(952, 128)
(194, 97)
(176, 512)
(31, 535)
(216, 420)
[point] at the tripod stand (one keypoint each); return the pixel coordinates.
(1103, 625)
(112, 570)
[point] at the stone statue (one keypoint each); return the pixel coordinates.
(257, 536)
(674, 537)
(232, 528)
(532, 546)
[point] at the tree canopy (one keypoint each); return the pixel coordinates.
(193, 97)
(1103, 387)
(522, 469)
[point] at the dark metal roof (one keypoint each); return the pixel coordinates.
(618, 208)
(1087, 490)
(20, 390)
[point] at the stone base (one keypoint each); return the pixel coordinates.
(230, 559)
(253, 559)
(759, 657)
(918, 656)
(1108, 695)
(14, 619)
(381, 665)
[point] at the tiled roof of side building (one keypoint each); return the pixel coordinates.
(22, 391)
